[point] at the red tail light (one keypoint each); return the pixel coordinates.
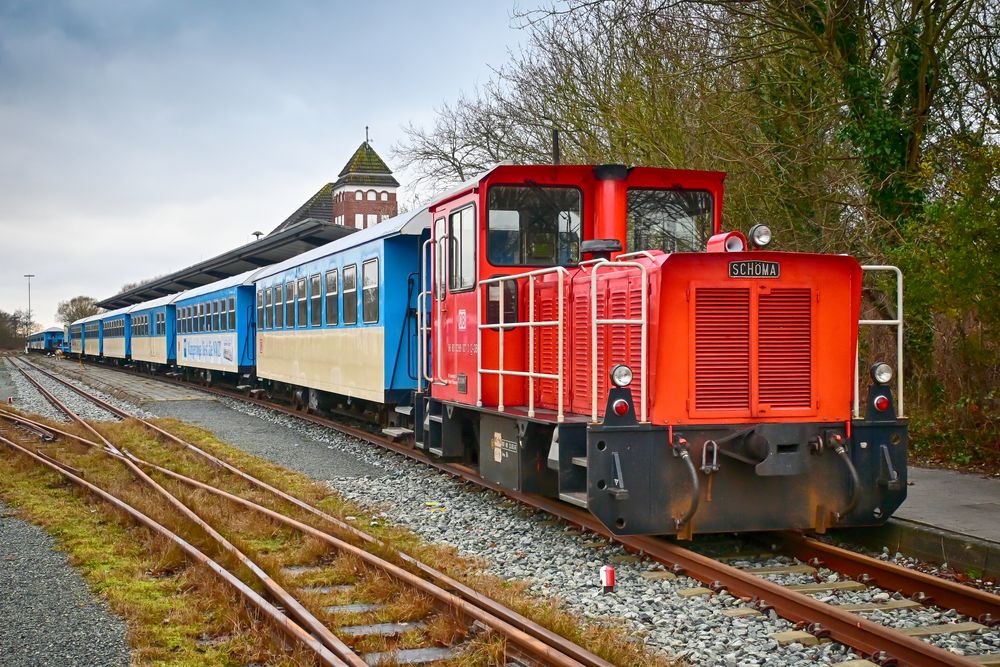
(620, 407)
(881, 403)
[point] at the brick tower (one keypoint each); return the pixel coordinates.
(365, 191)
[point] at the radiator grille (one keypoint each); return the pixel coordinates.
(784, 348)
(722, 349)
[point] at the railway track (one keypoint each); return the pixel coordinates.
(294, 609)
(814, 620)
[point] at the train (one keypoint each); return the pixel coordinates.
(585, 332)
(46, 342)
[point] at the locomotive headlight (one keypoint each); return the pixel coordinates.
(760, 235)
(881, 372)
(621, 375)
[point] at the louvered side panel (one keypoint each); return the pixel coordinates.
(579, 370)
(635, 335)
(784, 348)
(722, 349)
(545, 345)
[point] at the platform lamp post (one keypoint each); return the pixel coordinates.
(27, 325)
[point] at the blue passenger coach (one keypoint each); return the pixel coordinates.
(116, 329)
(154, 332)
(341, 319)
(215, 327)
(90, 345)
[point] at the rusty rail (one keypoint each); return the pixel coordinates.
(531, 638)
(292, 629)
(869, 638)
(299, 612)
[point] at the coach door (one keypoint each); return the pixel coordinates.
(456, 324)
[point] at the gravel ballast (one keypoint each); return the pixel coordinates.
(48, 615)
(515, 543)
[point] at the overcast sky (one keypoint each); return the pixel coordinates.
(138, 137)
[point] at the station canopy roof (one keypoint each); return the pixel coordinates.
(302, 231)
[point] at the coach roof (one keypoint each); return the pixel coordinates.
(411, 223)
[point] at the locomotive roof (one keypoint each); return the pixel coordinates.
(410, 223)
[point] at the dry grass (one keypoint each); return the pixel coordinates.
(196, 606)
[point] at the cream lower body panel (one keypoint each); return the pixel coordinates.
(150, 348)
(75, 347)
(92, 347)
(214, 351)
(114, 348)
(349, 361)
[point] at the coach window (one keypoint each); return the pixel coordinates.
(300, 300)
(260, 309)
(440, 244)
(232, 313)
(218, 310)
(290, 305)
(369, 291)
(462, 249)
(533, 225)
(200, 323)
(279, 307)
(332, 313)
(351, 294)
(266, 319)
(223, 315)
(315, 301)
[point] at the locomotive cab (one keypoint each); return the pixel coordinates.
(734, 368)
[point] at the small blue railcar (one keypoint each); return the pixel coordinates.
(46, 342)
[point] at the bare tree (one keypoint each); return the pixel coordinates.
(76, 308)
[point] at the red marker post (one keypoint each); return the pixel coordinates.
(608, 578)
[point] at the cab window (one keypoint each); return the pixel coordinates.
(530, 225)
(669, 220)
(462, 249)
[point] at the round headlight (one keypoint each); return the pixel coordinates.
(621, 375)
(760, 235)
(882, 372)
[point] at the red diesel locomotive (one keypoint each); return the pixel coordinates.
(590, 333)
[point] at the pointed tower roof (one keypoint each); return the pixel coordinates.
(366, 168)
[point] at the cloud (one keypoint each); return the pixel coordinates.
(140, 137)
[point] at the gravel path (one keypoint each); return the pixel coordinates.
(48, 615)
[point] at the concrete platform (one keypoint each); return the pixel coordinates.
(948, 517)
(963, 503)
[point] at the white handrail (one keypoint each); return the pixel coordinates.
(422, 315)
(643, 322)
(437, 301)
(898, 323)
(531, 324)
